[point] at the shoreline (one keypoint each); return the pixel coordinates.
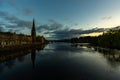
(19, 47)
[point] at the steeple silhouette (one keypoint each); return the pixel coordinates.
(33, 32)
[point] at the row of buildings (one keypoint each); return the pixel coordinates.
(12, 39)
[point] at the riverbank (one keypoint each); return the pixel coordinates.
(19, 47)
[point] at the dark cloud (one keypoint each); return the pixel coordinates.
(28, 11)
(69, 33)
(107, 18)
(1, 23)
(78, 31)
(12, 2)
(66, 18)
(54, 29)
(2, 29)
(76, 24)
(12, 30)
(13, 23)
(3, 14)
(52, 21)
(53, 26)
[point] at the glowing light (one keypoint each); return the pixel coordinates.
(93, 34)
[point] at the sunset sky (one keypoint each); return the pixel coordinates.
(59, 19)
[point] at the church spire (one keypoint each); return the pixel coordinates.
(33, 32)
(33, 26)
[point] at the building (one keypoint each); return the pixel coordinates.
(12, 39)
(33, 32)
(42, 39)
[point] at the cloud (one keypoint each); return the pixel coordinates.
(52, 21)
(28, 11)
(20, 23)
(76, 24)
(54, 29)
(53, 26)
(15, 20)
(2, 29)
(11, 21)
(69, 33)
(66, 18)
(3, 14)
(12, 2)
(107, 18)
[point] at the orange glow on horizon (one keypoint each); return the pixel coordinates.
(93, 34)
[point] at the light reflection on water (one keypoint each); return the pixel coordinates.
(61, 61)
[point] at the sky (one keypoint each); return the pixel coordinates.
(59, 19)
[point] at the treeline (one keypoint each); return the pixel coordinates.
(109, 39)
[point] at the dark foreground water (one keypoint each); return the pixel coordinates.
(60, 61)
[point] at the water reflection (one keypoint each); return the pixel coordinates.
(61, 61)
(112, 55)
(9, 59)
(33, 55)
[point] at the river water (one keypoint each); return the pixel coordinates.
(60, 61)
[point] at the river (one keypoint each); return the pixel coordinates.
(60, 61)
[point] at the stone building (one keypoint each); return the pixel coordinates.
(42, 39)
(12, 39)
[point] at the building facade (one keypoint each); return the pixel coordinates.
(12, 39)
